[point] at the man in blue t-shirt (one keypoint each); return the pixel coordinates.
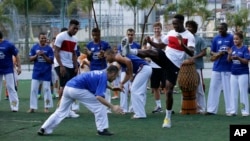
(220, 79)
(130, 36)
(142, 72)
(95, 52)
(7, 51)
(89, 89)
(96, 49)
(43, 56)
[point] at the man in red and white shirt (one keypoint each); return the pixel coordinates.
(179, 43)
(66, 65)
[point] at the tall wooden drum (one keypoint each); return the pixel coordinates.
(188, 80)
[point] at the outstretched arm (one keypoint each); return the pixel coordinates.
(128, 63)
(114, 108)
(156, 45)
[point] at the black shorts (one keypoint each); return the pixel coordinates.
(171, 70)
(70, 73)
(158, 77)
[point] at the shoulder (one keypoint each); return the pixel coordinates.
(136, 44)
(60, 35)
(89, 43)
(188, 34)
(245, 47)
(230, 36)
(35, 45)
(49, 48)
(105, 43)
(199, 38)
(8, 43)
(216, 37)
(171, 33)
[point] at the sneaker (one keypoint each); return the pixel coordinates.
(46, 110)
(39, 96)
(7, 98)
(230, 114)
(72, 114)
(209, 113)
(53, 96)
(166, 123)
(105, 132)
(115, 97)
(157, 110)
(31, 111)
(175, 92)
(41, 132)
(245, 115)
(125, 46)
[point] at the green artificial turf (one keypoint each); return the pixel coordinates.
(23, 126)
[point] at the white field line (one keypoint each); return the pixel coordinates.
(31, 121)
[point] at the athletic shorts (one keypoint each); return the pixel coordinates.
(70, 73)
(170, 68)
(158, 78)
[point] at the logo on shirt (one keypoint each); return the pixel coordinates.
(223, 48)
(2, 55)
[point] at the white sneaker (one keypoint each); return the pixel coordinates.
(245, 115)
(166, 123)
(72, 114)
(125, 46)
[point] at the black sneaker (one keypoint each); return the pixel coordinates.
(157, 110)
(209, 113)
(41, 132)
(105, 132)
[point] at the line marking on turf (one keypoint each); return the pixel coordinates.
(32, 121)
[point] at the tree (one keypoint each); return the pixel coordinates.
(238, 20)
(136, 5)
(24, 7)
(189, 8)
(84, 5)
(4, 20)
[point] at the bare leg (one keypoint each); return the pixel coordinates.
(156, 92)
(157, 55)
(153, 54)
(169, 95)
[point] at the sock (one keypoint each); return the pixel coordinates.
(168, 114)
(158, 103)
(133, 51)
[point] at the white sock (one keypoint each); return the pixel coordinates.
(133, 51)
(158, 103)
(168, 114)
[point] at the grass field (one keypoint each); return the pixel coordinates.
(23, 126)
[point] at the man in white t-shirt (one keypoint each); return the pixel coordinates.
(179, 43)
(158, 77)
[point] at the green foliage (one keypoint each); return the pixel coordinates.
(4, 20)
(189, 8)
(84, 5)
(238, 20)
(136, 5)
(33, 5)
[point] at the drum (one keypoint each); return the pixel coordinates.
(188, 80)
